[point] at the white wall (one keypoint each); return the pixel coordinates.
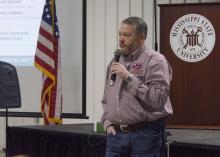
(103, 19)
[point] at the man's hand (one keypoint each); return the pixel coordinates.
(110, 129)
(119, 69)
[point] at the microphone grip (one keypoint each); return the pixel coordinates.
(113, 78)
(117, 55)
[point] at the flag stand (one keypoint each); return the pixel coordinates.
(6, 127)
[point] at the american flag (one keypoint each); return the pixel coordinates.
(48, 61)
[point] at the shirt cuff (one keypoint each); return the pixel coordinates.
(134, 84)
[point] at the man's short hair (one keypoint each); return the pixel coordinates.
(140, 25)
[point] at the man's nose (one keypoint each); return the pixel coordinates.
(121, 39)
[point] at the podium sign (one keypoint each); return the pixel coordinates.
(189, 38)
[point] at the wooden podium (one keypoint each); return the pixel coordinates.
(185, 40)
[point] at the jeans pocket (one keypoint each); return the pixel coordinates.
(150, 133)
(150, 139)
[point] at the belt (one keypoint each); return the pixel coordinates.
(136, 126)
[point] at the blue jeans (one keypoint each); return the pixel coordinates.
(145, 142)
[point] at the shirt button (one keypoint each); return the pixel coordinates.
(120, 120)
(127, 64)
(117, 97)
(117, 109)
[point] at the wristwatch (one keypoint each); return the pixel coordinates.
(129, 78)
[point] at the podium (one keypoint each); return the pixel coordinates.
(189, 39)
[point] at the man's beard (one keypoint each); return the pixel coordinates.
(124, 50)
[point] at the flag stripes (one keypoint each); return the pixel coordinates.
(48, 60)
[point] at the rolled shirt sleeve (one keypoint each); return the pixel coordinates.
(156, 86)
(143, 98)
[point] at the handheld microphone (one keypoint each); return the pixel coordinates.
(117, 55)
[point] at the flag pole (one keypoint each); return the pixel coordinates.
(155, 26)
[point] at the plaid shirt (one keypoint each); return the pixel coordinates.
(145, 97)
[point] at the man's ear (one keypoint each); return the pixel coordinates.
(142, 36)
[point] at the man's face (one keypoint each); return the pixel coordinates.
(129, 40)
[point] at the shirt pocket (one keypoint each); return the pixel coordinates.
(139, 73)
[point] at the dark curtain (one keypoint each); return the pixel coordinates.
(37, 143)
(192, 150)
(48, 143)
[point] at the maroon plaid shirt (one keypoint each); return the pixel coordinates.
(146, 97)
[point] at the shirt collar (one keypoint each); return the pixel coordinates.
(134, 55)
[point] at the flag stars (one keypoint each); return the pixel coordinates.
(48, 16)
(57, 34)
(46, 10)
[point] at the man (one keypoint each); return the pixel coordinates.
(137, 103)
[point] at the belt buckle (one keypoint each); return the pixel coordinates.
(122, 127)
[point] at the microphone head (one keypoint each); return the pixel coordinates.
(117, 54)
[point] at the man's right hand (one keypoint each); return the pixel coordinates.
(110, 129)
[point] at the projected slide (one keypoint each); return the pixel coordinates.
(19, 26)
